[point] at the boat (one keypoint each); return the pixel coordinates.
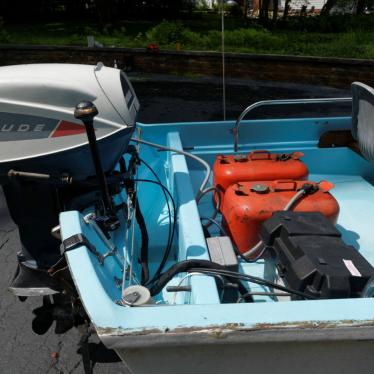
(127, 253)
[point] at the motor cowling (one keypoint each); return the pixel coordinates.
(38, 130)
(46, 166)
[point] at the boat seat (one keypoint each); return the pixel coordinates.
(361, 136)
(363, 118)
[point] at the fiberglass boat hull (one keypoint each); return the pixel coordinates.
(201, 335)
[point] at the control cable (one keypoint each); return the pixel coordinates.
(253, 279)
(198, 266)
(168, 249)
(171, 228)
(187, 154)
(305, 190)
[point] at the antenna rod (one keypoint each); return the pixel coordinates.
(223, 60)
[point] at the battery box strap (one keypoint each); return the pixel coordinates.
(78, 240)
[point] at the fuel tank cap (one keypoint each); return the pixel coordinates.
(260, 188)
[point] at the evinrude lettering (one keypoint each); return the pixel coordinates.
(24, 127)
(7, 127)
(39, 127)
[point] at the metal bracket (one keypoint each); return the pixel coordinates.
(113, 251)
(78, 240)
(250, 108)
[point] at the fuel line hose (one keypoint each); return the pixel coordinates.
(184, 266)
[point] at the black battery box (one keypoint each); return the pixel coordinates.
(311, 256)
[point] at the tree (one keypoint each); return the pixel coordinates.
(275, 10)
(264, 11)
(245, 8)
(360, 6)
(327, 7)
(286, 9)
(104, 10)
(75, 8)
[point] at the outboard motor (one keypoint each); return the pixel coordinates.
(45, 158)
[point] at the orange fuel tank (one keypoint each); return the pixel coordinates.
(248, 204)
(257, 166)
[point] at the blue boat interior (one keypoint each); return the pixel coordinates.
(100, 286)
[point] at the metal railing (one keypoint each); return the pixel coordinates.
(235, 129)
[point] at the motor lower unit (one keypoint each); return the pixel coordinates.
(248, 204)
(311, 256)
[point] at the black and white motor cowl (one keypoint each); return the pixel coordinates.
(39, 134)
(38, 131)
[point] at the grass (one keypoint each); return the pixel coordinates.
(197, 34)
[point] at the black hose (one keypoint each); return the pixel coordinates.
(253, 279)
(145, 241)
(129, 185)
(182, 267)
(169, 243)
(171, 228)
(168, 249)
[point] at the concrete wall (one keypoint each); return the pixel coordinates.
(333, 72)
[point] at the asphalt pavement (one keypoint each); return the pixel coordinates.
(163, 99)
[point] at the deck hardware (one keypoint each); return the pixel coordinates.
(118, 282)
(127, 272)
(132, 298)
(113, 250)
(179, 289)
(136, 296)
(58, 180)
(90, 219)
(56, 232)
(78, 240)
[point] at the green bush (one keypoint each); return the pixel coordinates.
(202, 5)
(329, 24)
(78, 39)
(4, 36)
(311, 36)
(167, 33)
(259, 40)
(251, 38)
(90, 31)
